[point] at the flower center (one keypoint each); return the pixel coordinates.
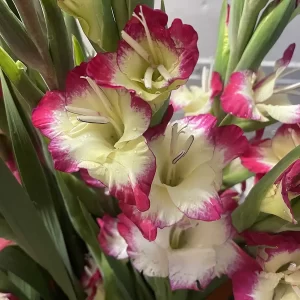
(151, 58)
(292, 278)
(177, 153)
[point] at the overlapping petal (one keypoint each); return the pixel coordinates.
(196, 100)
(191, 253)
(275, 276)
(190, 158)
(101, 130)
(163, 57)
(249, 96)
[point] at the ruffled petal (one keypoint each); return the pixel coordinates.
(238, 97)
(128, 173)
(147, 257)
(110, 240)
(280, 109)
(260, 158)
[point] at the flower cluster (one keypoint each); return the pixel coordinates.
(113, 124)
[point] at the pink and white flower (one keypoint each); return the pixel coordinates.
(101, 130)
(92, 281)
(254, 96)
(263, 155)
(151, 59)
(190, 158)
(276, 275)
(195, 100)
(191, 253)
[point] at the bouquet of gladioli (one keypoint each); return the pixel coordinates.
(107, 194)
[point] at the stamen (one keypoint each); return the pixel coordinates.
(164, 73)
(149, 39)
(204, 79)
(136, 46)
(289, 72)
(174, 137)
(186, 148)
(287, 88)
(93, 119)
(81, 111)
(148, 77)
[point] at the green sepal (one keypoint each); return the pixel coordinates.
(18, 77)
(251, 125)
(78, 53)
(159, 115)
(247, 213)
(96, 19)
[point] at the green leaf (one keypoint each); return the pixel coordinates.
(223, 50)
(60, 43)
(246, 214)
(34, 22)
(143, 290)
(15, 35)
(24, 221)
(7, 286)
(295, 13)
(266, 35)
(20, 80)
(158, 116)
(14, 260)
(161, 287)
(88, 231)
(29, 230)
(162, 6)
(78, 53)
(131, 5)
(120, 10)
(96, 20)
(250, 125)
(222, 55)
(36, 182)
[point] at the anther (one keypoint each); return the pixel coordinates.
(164, 73)
(186, 148)
(93, 119)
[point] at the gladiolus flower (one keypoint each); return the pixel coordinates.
(91, 281)
(191, 252)
(262, 156)
(101, 130)
(151, 60)
(190, 157)
(196, 100)
(276, 275)
(250, 96)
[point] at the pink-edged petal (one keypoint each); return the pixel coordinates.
(238, 97)
(162, 211)
(280, 109)
(287, 56)
(93, 182)
(192, 100)
(128, 173)
(255, 285)
(229, 200)
(196, 196)
(5, 243)
(147, 257)
(260, 158)
(185, 38)
(109, 238)
(216, 85)
(230, 143)
(285, 139)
